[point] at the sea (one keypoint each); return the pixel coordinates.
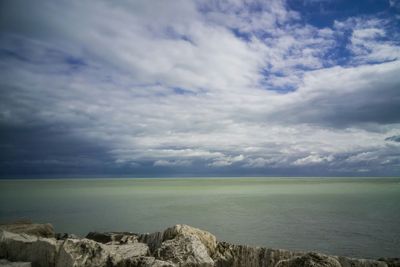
(356, 217)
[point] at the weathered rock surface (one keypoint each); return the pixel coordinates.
(39, 251)
(183, 245)
(144, 262)
(206, 238)
(310, 260)
(391, 262)
(129, 250)
(185, 251)
(350, 262)
(27, 227)
(240, 255)
(180, 245)
(154, 240)
(82, 252)
(85, 252)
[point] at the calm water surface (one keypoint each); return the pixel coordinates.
(351, 217)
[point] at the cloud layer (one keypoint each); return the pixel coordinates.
(154, 88)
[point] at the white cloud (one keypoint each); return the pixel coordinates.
(313, 159)
(259, 162)
(226, 161)
(362, 157)
(168, 163)
(370, 41)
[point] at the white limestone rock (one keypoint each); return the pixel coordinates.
(82, 253)
(22, 247)
(185, 251)
(208, 239)
(351, 262)
(27, 227)
(310, 260)
(154, 240)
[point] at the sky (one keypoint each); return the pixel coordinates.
(199, 88)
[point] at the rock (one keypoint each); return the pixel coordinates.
(127, 239)
(113, 237)
(86, 252)
(22, 247)
(123, 255)
(185, 251)
(240, 255)
(42, 230)
(82, 253)
(145, 262)
(236, 255)
(158, 263)
(129, 250)
(180, 245)
(350, 262)
(270, 257)
(6, 263)
(391, 262)
(155, 240)
(310, 260)
(208, 240)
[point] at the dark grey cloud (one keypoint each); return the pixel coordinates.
(46, 150)
(395, 138)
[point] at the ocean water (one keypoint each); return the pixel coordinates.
(357, 217)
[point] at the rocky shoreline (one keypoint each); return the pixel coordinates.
(26, 244)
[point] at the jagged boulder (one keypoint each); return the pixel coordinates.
(208, 239)
(391, 262)
(85, 252)
(127, 254)
(144, 262)
(22, 247)
(129, 250)
(270, 257)
(350, 262)
(310, 260)
(185, 251)
(183, 245)
(27, 227)
(228, 255)
(82, 253)
(154, 240)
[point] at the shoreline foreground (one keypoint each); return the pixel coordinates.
(26, 244)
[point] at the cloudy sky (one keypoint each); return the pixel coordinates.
(199, 88)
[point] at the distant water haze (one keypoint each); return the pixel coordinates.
(342, 216)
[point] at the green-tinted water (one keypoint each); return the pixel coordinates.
(351, 217)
